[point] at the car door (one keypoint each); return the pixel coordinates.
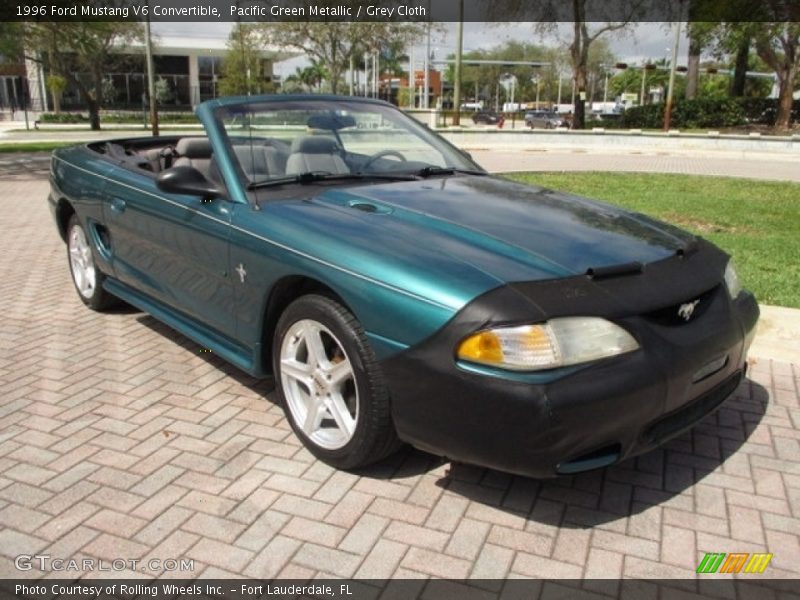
(172, 247)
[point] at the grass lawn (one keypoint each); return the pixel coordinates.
(6, 148)
(757, 222)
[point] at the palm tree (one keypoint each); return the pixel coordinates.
(312, 76)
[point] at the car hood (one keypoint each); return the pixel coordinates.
(471, 233)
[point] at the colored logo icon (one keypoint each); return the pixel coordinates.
(736, 562)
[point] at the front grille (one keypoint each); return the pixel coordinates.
(674, 315)
(685, 417)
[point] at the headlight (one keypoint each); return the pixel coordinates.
(556, 343)
(732, 280)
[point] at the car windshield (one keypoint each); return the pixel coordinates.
(277, 142)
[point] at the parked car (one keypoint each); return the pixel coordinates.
(543, 119)
(399, 293)
(486, 117)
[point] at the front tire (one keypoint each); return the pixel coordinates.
(86, 277)
(330, 385)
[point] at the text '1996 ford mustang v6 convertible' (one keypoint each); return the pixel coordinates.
(397, 292)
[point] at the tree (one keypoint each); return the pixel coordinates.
(586, 29)
(774, 31)
(241, 68)
(56, 84)
(312, 76)
(332, 44)
(778, 45)
(486, 77)
(81, 52)
(700, 35)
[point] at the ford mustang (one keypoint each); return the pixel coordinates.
(398, 293)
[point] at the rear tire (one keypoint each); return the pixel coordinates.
(86, 277)
(330, 385)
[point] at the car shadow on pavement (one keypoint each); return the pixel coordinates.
(577, 501)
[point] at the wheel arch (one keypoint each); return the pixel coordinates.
(64, 211)
(285, 291)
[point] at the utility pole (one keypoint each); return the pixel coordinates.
(366, 73)
(352, 74)
(672, 67)
(559, 88)
(459, 52)
(641, 93)
(151, 84)
(412, 81)
(425, 94)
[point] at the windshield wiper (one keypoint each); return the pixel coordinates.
(435, 170)
(313, 176)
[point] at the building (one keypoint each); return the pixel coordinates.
(189, 67)
(438, 89)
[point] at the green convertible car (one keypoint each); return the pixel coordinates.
(399, 293)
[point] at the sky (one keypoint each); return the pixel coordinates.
(646, 40)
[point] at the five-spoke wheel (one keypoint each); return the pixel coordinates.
(330, 385)
(86, 276)
(319, 384)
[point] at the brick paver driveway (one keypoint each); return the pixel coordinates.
(121, 439)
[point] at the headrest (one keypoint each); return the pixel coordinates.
(193, 147)
(315, 144)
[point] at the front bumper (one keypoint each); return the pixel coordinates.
(582, 418)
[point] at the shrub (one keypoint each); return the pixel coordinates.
(762, 111)
(64, 117)
(649, 116)
(707, 112)
(122, 118)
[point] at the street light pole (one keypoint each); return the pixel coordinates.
(459, 52)
(426, 82)
(644, 76)
(672, 67)
(559, 88)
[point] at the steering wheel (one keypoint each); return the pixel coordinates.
(381, 154)
(168, 153)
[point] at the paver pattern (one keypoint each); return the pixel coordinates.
(120, 439)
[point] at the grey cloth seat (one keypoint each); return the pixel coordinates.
(315, 153)
(260, 162)
(194, 152)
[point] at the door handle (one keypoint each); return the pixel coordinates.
(118, 205)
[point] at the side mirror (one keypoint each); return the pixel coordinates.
(187, 180)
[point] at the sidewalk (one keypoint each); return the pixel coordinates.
(778, 334)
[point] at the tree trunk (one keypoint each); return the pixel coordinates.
(740, 69)
(693, 69)
(93, 100)
(579, 118)
(94, 113)
(785, 99)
